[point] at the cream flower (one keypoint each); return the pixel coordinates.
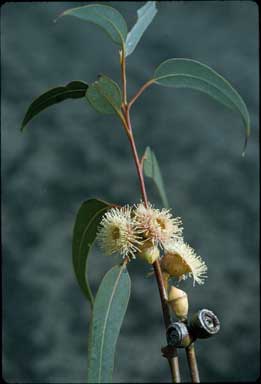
(157, 226)
(117, 233)
(180, 260)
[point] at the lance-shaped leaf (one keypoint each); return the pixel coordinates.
(84, 234)
(73, 90)
(106, 17)
(193, 74)
(152, 170)
(109, 309)
(105, 96)
(145, 16)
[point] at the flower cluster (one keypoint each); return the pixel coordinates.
(144, 231)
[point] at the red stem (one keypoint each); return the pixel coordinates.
(136, 159)
(173, 361)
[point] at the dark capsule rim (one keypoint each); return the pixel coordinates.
(175, 333)
(203, 314)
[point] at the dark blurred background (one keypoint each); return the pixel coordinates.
(70, 153)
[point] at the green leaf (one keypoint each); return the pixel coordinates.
(108, 18)
(104, 95)
(145, 16)
(193, 74)
(84, 233)
(152, 170)
(109, 309)
(73, 90)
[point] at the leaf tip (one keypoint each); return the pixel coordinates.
(59, 16)
(23, 125)
(243, 154)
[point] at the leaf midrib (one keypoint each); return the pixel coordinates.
(59, 94)
(206, 67)
(106, 319)
(128, 37)
(79, 253)
(213, 85)
(114, 26)
(87, 227)
(160, 185)
(105, 18)
(39, 104)
(110, 101)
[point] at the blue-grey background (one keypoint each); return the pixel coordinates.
(70, 153)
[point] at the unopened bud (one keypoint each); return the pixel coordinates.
(178, 301)
(149, 254)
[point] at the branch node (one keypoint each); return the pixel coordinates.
(169, 352)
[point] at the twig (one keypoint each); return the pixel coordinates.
(192, 362)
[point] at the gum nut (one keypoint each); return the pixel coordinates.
(173, 264)
(178, 301)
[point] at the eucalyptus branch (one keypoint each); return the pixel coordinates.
(140, 230)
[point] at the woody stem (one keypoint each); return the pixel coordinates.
(173, 361)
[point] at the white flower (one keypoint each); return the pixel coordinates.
(117, 233)
(157, 226)
(180, 260)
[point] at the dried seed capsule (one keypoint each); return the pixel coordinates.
(178, 301)
(204, 324)
(178, 335)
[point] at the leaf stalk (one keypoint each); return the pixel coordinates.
(140, 91)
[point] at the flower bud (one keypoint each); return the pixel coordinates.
(178, 301)
(149, 253)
